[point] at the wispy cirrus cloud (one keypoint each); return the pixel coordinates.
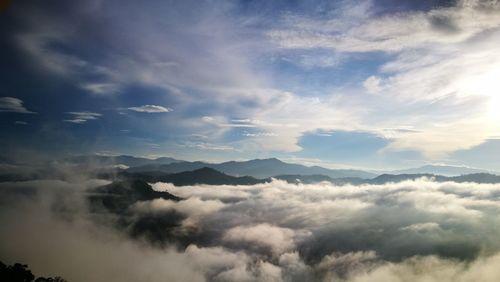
(366, 32)
(101, 88)
(82, 117)
(13, 105)
(150, 109)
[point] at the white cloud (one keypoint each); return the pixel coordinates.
(391, 33)
(351, 263)
(431, 269)
(209, 192)
(441, 82)
(82, 117)
(76, 120)
(323, 232)
(194, 208)
(422, 227)
(278, 239)
(101, 88)
(287, 117)
(150, 109)
(277, 207)
(372, 84)
(13, 105)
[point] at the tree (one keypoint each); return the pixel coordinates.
(15, 273)
(20, 273)
(55, 279)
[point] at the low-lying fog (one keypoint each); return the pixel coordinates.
(408, 231)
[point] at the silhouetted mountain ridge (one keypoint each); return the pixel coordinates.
(258, 168)
(316, 178)
(202, 175)
(206, 175)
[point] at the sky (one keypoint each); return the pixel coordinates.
(366, 84)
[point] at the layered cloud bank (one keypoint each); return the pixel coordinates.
(408, 231)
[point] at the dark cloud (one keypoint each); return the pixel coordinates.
(443, 23)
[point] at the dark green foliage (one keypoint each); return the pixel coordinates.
(20, 273)
(119, 195)
(118, 199)
(15, 273)
(209, 176)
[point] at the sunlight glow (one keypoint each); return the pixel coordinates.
(486, 83)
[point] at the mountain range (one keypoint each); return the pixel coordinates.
(210, 176)
(258, 168)
(166, 169)
(387, 178)
(446, 170)
(202, 175)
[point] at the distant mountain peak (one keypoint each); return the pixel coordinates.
(204, 170)
(441, 169)
(264, 160)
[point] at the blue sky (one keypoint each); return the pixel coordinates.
(367, 84)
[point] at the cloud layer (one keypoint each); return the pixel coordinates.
(417, 230)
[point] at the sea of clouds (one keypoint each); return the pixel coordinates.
(409, 231)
